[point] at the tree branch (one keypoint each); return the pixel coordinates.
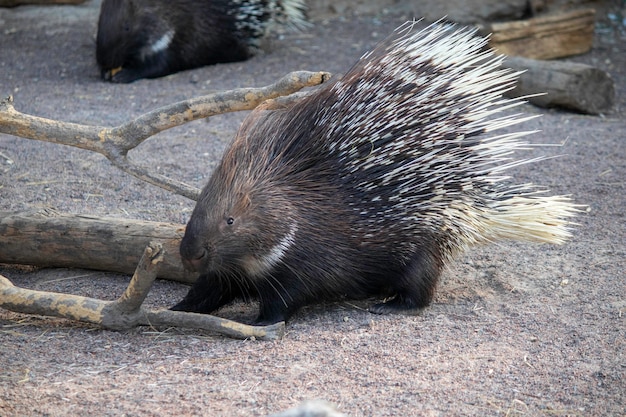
(114, 143)
(126, 312)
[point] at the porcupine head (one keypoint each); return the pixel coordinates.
(370, 185)
(152, 38)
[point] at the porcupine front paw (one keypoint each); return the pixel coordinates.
(205, 296)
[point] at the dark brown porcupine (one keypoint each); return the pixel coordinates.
(152, 38)
(368, 186)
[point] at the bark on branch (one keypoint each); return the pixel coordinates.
(115, 142)
(126, 312)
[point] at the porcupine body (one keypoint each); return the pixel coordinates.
(152, 38)
(368, 186)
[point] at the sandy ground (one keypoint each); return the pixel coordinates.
(515, 329)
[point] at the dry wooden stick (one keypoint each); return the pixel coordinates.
(114, 143)
(127, 312)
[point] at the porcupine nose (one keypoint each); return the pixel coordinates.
(193, 258)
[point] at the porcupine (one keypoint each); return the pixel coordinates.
(152, 38)
(369, 186)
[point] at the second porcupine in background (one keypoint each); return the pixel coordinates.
(152, 38)
(370, 185)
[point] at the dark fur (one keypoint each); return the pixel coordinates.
(203, 33)
(267, 182)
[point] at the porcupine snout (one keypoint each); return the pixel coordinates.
(193, 255)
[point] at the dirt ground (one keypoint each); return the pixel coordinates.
(515, 329)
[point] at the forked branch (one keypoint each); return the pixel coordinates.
(127, 312)
(115, 142)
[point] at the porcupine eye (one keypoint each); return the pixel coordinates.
(230, 221)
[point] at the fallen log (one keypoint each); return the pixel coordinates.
(127, 312)
(51, 239)
(570, 85)
(544, 37)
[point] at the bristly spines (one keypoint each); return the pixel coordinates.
(255, 18)
(410, 126)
